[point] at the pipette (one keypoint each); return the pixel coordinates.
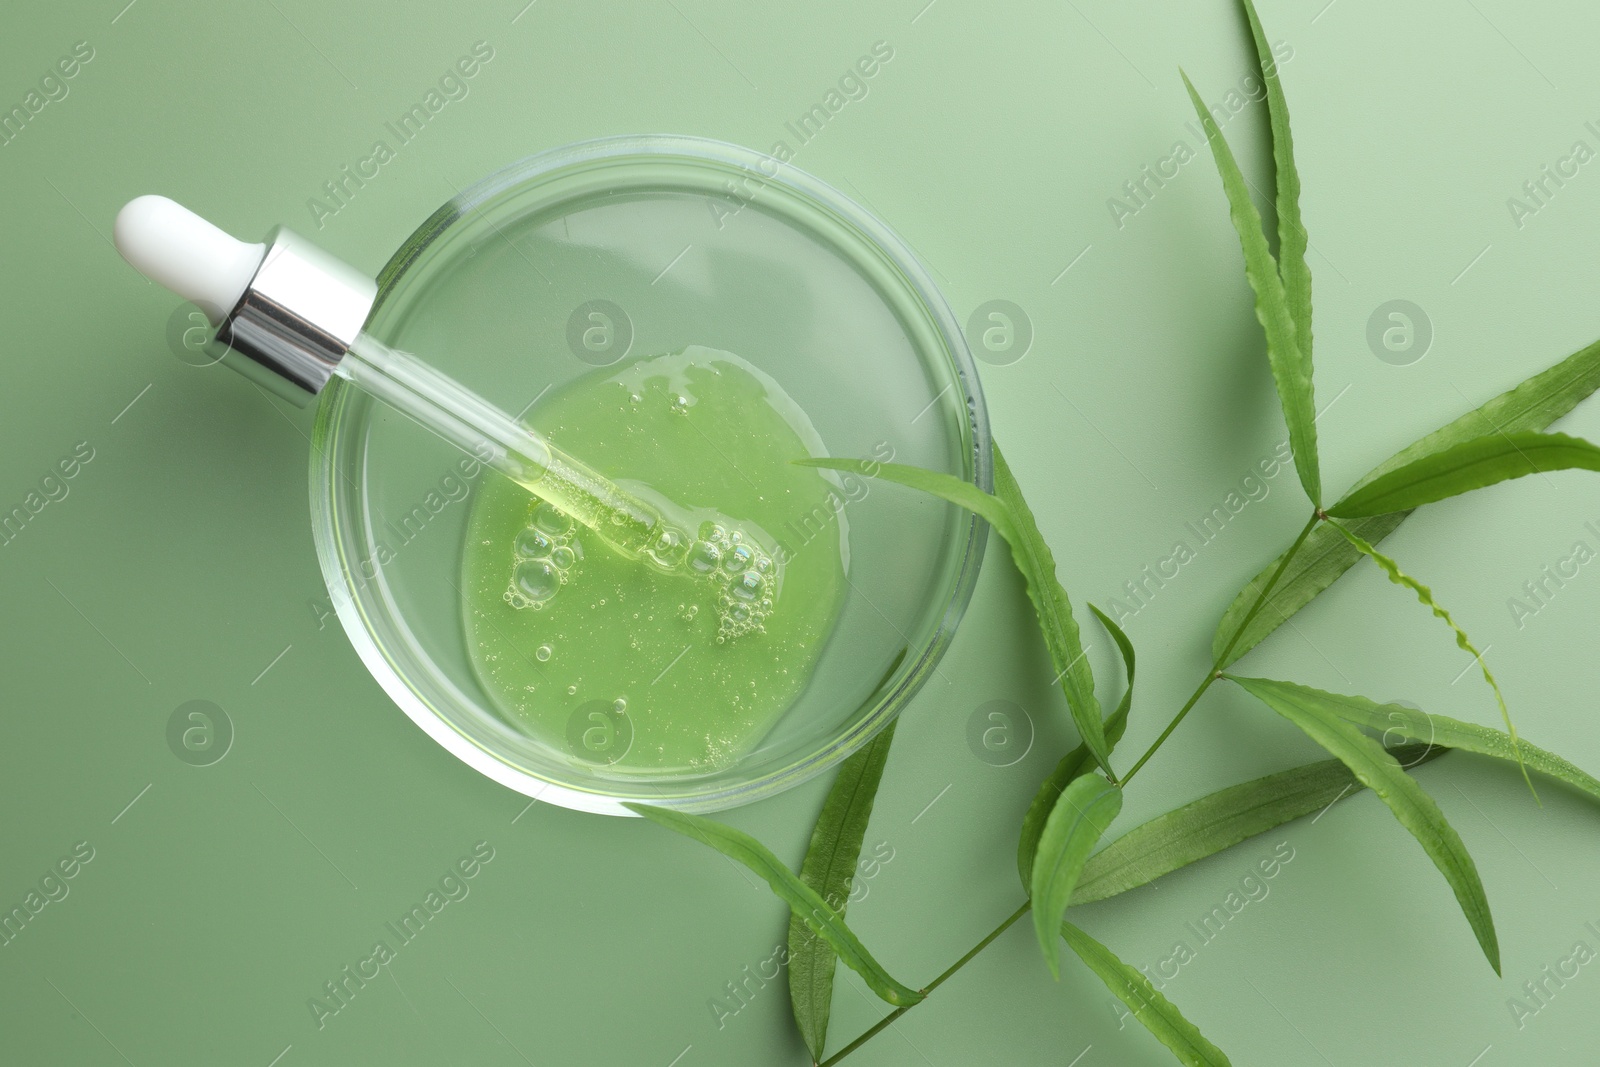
(293, 315)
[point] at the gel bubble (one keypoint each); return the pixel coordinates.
(548, 518)
(744, 577)
(536, 580)
(543, 556)
(704, 557)
(533, 544)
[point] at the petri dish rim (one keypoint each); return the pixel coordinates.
(368, 612)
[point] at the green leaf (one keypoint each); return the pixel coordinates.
(1312, 711)
(936, 483)
(1291, 368)
(1532, 405)
(1074, 763)
(1080, 816)
(1392, 569)
(1147, 1005)
(818, 915)
(1474, 464)
(1129, 662)
(1067, 654)
(1321, 560)
(828, 868)
(1292, 237)
(1443, 731)
(1221, 820)
(1008, 513)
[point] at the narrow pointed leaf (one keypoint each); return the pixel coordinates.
(1532, 405)
(829, 867)
(1153, 1010)
(1292, 237)
(948, 487)
(1392, 570)
(1067, 655)
(1291, 368)
(1398, 721)
(1221, 820)
(1080, 817)
(1129, 663)
(1008, 513)
(803, 901)
(1474, 464)
(1074, 763)
(1310, 710)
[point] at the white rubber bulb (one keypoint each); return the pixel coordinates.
(168, 243)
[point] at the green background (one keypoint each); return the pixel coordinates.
(180, 565)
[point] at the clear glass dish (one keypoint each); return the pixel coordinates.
(614, 250)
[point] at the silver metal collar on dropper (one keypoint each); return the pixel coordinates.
(297, 317)
(285, 310)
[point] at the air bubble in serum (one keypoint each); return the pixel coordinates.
(704, 557)
(548, 518)
(744, 578)
(747, 586)
(536, 580)
(533, 544)
(544, 554)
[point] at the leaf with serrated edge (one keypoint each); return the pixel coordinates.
(1080, 817)
(1291, 369)
(828, 868)
(1367, 759)
(1292, 237)
(1154, 1011)
(803, 901)
(1006, 511)
(1075, 762)
(1392, 571)
(1221, 820)
(1532, 405)
(1055, 614)
(1463, 468)
(1397, 720)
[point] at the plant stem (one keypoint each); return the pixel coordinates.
(887, 1020)
(1216, 667)
(1194, 698)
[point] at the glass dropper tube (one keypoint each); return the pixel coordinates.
(632, 526)
(292, 318)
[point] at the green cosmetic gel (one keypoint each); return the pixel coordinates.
(614, 661)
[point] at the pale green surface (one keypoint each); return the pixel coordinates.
(216, 906)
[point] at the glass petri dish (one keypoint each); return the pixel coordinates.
(614, 250)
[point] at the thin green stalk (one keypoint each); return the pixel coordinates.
(889, 1019)
(1261, 601)
(1194, 698)
(1216, 666)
